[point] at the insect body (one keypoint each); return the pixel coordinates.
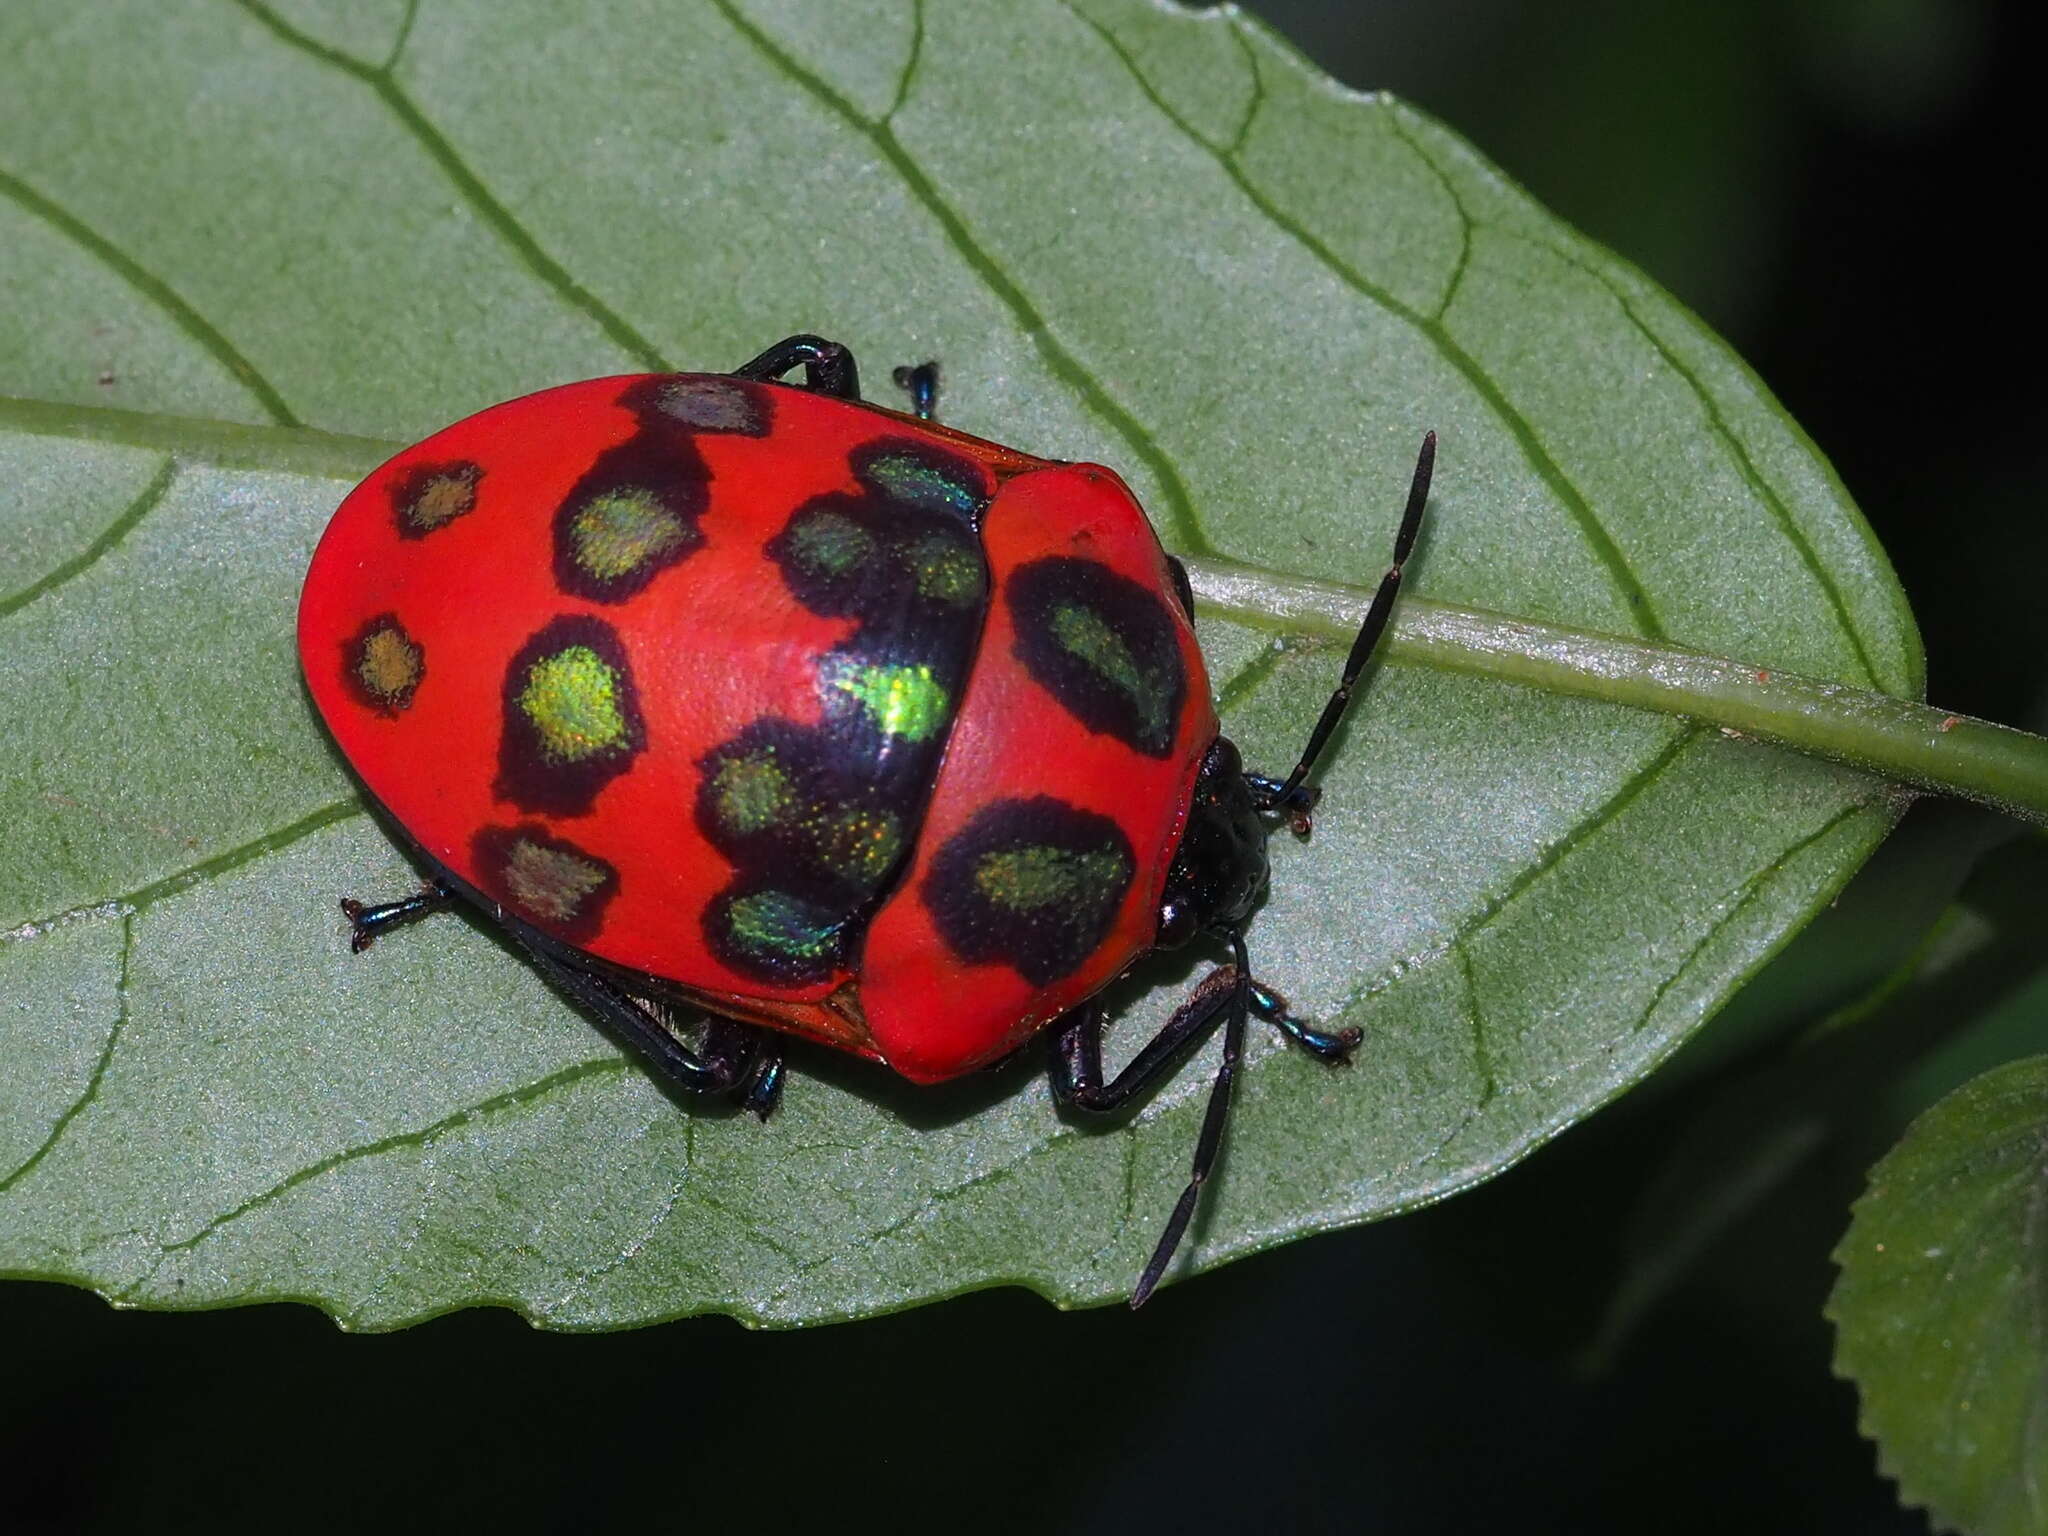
(727, 694)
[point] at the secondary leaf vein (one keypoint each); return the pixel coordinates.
(1064, 366)
(153, 288)
(488, 207)
(1602, 544)
(109, 538)
(1551, 856)
(91, 1091)
(510, 1099)
(1739, 450)
(1746, 893)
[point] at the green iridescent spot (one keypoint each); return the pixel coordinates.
(861, 846)
(905, 701)
(550, 884)
(1084, 634)
(831, 543)
(751, 794)
(906, 477)
(619, 531)
(947, 571)
(779, 924)
(572, 699)
(1033, 878)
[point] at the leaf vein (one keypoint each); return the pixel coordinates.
(1744, 894)
(109, 539)
(1751, 475)
(909, 64)
(512, 1098)
(195, 874)
(161, 294)
(1482, 1053)
(1601, 542)
(91, 1092)
(412, 13)
(1252, 107)
(1554, 854)
(1252, 676)
(1465, 221)
(1186, 529)
(517, 238)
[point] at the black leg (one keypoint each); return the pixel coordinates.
(922, 383)
(762, 1090)
(1228, 993)
(734, 1058)
(1184, 590)
(1075, 1070)
(828, 367)
(1285, 798)
(1333, 1046)
(366, 922)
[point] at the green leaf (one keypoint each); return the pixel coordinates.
(250, 248)
(1938, 1308)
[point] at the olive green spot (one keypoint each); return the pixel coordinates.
(443, 497)
(831, 543)
(905, 701)
(389, 666)
(572, 698)
(903, 477)
(619, 531)
(861, 846)
(1083, 633)
(549, 883)
(777, 923)
(947, 571)
(1032, 878)
(751, 794)
(712, 405)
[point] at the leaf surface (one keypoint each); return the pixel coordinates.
(1938, 1311)
(248, 238)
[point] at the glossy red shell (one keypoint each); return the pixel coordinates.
(443, 569)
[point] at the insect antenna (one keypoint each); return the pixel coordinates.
(1288, 793)
(1211, 1140)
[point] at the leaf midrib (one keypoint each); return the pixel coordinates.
(1185, 525)
(1878, 732)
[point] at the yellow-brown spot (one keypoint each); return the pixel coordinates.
(434, 495)
(384, 664)
(390, 667)
(550, 884)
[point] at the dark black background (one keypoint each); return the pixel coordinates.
(1840, 187)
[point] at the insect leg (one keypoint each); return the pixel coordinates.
(1185, 591)
(828, 367)
(1333, 1046)
(732, 1057)
(1075, 1070)
(368, 921)
(1227, 992)
(922, 383)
